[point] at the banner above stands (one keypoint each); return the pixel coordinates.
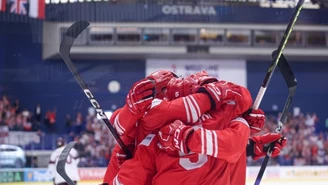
(107, 12)
(230, 70)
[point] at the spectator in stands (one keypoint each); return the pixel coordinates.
(50, 120)
(17, 106)
(38, 113)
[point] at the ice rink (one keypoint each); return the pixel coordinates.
(265, 182)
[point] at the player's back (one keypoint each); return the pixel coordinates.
(197, 169)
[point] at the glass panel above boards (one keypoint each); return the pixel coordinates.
(198, 34)
(156, 36)
(211, 36)
(296, 38)
(184, 36)
(316, 39)
(101, 35)
(128, 35)
(237, 37)
(265, 38)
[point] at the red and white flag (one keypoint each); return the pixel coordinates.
(3, 5)
(37, 9)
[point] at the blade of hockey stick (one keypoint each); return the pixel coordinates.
(60, 168)
(65, 47)
(291, 82)
(276, 59)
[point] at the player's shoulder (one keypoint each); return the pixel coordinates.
(241, 120)
(149, 139)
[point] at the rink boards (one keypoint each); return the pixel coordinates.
(249, 182)
(291, 175)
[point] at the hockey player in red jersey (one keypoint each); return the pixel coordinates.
(152, 165)
(188, 109)
(207, 146)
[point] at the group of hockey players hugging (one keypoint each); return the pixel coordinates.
(195, 130)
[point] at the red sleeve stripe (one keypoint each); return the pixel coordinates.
(117, 125)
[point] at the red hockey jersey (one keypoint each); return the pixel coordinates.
(187, 109)
(151, 165)
(195, 105)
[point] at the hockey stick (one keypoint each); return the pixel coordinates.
(291, 81)
(280, 49)
(65, 47)
(60, 168)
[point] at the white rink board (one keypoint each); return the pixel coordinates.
(265, 182)
(274, 175)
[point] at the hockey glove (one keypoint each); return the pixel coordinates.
(222, 92)
(203, 78)
(180, 87)
(255, 119)
(120, 155)
(140, 96)
(258, 145)
(173, 137)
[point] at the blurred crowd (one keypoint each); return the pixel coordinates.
(306, 146)
(94, 143)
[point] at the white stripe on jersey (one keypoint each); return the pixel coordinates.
(209, 142)
(216, 146)
(202, 135)
(194, 115)
(116, 181)
(240, 119)
(257, 115)
(117, 125)
(215, 92)
(196, 105)
(186, 108)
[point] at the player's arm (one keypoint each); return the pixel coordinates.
(140, 169)
(187, 109)
(138, 101)
(227, 144)
(118, 157)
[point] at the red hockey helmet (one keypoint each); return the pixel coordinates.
(203, 77)
(180, 87)
(161, 79)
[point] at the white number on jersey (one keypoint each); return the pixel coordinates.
(187, 164)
